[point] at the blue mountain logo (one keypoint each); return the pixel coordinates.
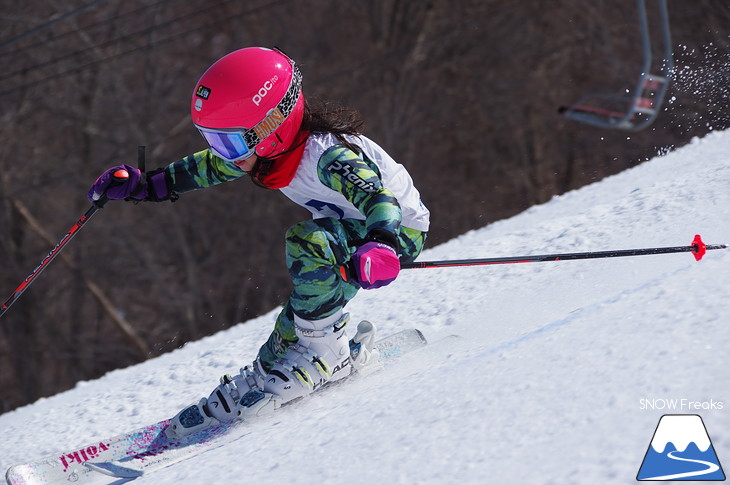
(681, 450)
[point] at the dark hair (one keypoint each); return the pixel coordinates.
(326, 117)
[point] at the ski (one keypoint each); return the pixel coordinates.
(130, 455)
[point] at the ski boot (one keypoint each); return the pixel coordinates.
(221, 406)
(321, 355)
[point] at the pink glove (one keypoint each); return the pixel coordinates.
(376, 264)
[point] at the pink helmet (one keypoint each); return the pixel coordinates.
(250, 101)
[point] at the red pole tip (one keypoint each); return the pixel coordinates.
(699, 247)
(121, 174)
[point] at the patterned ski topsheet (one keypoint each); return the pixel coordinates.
(151, 443)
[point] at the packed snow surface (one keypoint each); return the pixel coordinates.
(559, 375)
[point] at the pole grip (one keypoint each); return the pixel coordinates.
(118, 178)
(141, 158)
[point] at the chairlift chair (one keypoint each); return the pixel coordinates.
(637, 110)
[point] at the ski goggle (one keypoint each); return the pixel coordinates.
(230, 145)
(240, 143)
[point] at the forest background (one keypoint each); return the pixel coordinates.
(464, 93)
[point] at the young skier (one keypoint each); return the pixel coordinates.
(367, 217)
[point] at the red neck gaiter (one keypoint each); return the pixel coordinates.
(281, 170)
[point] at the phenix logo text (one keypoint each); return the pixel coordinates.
(346, 171)
(679, 404)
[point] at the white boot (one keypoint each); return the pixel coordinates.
(222, 404)
(321, 355)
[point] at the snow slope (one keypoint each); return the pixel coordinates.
(550, 383)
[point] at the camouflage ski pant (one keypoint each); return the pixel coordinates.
(315, 251)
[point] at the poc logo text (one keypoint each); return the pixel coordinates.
(264, 90)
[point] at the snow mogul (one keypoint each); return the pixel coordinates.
(367, 218)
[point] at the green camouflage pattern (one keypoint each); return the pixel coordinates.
(362, 186)
(315, 251)
(200, 170)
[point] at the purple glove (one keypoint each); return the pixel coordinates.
(376, 264)
(125, 182)
(114, 184)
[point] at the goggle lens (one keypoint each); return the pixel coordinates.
(229, 145)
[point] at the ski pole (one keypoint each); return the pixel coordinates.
(698, 249)
(120, 176)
